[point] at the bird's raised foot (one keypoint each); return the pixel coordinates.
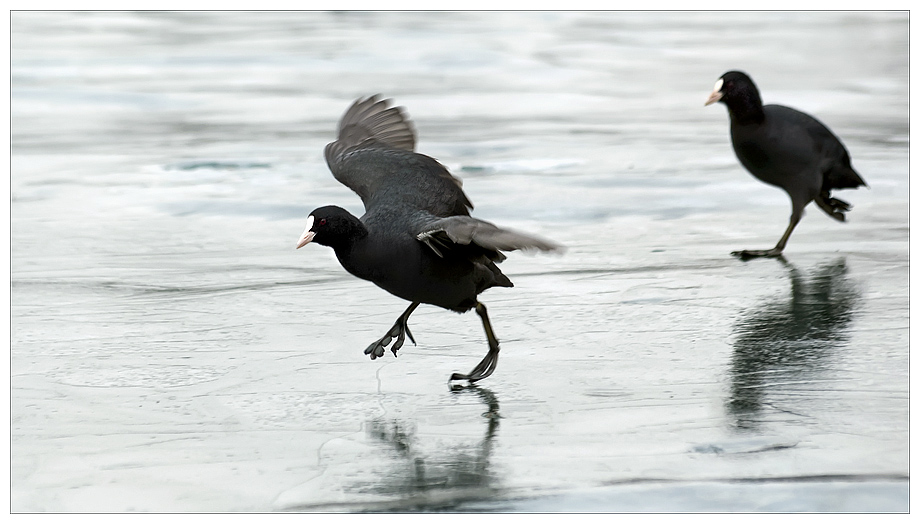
(377, 348)
(838, 204)
(399, 330)
(754, 253)
(834, 207)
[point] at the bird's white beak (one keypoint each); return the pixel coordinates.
(307, 235)
(716, 94)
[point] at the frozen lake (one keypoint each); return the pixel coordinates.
(171, 351)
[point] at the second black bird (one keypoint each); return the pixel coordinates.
(785, 148)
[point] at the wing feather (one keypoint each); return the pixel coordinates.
(374, 156)
(459, 232)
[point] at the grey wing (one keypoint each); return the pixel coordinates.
(374, 155)
(371, 118)
(464, 233)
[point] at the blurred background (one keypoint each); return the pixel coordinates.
(171, 351)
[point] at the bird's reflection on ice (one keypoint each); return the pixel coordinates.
(429, 477)
(784, 342)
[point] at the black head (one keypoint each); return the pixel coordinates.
(737, 91)
(331, 226)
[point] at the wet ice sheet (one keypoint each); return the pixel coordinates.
(170, 351)
(807, 495)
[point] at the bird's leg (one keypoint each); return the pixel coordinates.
(778, 249)
(399, 330)
(488, 363)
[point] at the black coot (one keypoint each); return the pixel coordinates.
(785, 148)
(416, 239)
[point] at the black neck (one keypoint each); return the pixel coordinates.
(746, 109)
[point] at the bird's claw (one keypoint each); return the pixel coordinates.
(399, 330)
(839, 205)
(376, 349)
(754, 253)
(472, 377)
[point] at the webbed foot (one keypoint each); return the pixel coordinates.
(399, 330)
(754, 253)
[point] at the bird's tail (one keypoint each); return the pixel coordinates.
(500, 279)
(842, 178)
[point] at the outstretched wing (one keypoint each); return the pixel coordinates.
(370, 118)
(467, 233)
(374, 156)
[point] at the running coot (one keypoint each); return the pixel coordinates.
(786, 148)
(416, 238)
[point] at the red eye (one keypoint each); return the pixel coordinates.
(322, 221)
